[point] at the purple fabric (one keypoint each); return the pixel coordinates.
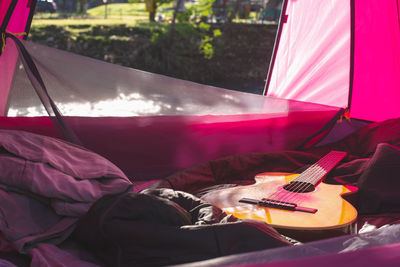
(372, 248)
(5, 263)
(69, 159)
(48, 255)
(46, 184)
(376, 256)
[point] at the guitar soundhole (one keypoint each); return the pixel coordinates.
(299, 187)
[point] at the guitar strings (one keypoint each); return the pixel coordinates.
(302, 185)
(312, 175)
(283, 195)
(324, 167)
(317, 172)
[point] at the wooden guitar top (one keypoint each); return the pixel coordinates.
(332, 210)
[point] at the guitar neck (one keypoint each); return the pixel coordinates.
(318, 170)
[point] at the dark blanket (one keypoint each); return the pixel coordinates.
(163, 226)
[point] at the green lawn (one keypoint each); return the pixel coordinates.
(130, 14)
(129, 10)
(92, 22)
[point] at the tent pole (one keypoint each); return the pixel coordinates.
(352, 49)
(39, 86)
(282, 20)
(30, 17)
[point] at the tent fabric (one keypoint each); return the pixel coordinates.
(343, 54)
(312, 61)
(19, 22)
(40, 88)
(105, 86)
(156, 146)
(168, 124)
(20, 18)
(376, 60)
(8, 62)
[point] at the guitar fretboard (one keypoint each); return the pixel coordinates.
(318, 170)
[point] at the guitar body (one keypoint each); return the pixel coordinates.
(334, 215)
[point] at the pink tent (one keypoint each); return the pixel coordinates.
(328, 58)
(339, 55)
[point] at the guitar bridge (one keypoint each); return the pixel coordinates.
(276, 204)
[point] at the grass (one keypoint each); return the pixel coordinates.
(130, 10)
(130, 14)
(92, 22)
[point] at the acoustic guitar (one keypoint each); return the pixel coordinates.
(298, 205)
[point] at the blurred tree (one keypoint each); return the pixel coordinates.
(233, 12)
(82, 6)
(71, 6)
(152, 5)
